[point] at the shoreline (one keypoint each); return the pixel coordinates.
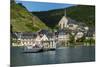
(75, 46)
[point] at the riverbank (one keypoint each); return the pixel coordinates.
(65, 45)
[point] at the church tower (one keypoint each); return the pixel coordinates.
(64, 20)
(65, 12)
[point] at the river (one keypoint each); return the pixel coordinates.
(60, 55)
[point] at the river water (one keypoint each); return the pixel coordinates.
(60, 55)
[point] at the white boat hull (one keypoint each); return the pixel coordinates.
(32, 49)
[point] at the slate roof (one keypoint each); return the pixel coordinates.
(23, 35)
(50, 35)
(71, 21)
(62, 32)
(13, 35)
(43, 31)
(90, 32)
(28, 35)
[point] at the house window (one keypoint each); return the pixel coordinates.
(63, 25)
(71, 25)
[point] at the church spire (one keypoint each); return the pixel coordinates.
(65, 12)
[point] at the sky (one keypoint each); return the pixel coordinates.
(42, 6)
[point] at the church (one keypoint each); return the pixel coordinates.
(67, 23)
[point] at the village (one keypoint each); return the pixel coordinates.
(69, 32)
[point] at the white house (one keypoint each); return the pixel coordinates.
(86, 28)
(63, 35)
(79, 35)
(38, 40)
(72, 26)
(94, 36)
(27, 38)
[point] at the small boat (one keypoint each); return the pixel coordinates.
(33, 49)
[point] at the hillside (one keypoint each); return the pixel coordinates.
(80, 13)
(24, 21)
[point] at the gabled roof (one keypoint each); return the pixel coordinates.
(38, 38)
(62, 32)
(44, 37)
(16, 34)
(90, 32)
(50, 35)
(43, 31)
(67, 20)
(71, 21)
(13, 35)
(25, 35)
(64, 19)
(28, 35)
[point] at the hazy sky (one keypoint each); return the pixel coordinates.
(42, 6)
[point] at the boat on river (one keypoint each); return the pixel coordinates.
(32, 49)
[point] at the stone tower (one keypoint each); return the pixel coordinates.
(63, 22)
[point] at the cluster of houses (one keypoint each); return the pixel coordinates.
(67, 28)
(77, 29)
(42, 37)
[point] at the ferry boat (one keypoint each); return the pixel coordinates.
(32, 49)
